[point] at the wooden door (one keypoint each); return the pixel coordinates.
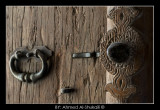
(66, 30)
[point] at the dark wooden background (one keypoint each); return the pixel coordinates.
(66, 30)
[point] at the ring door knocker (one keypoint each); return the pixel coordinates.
(41, 53)
(121, 52)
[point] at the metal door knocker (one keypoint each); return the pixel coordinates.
(121, 52)
(40, 53)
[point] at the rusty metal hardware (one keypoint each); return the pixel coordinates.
(85, 55)
(67, 90)
(118, 52)
(40, 53)
(122, 51)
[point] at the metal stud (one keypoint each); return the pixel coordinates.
(67, 90)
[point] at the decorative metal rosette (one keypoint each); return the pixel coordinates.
(136, 54)
(123, 33)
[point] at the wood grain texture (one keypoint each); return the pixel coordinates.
(85, 75)
(64, 30)
(28, 26)
(68, 30)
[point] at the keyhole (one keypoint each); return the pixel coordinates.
(118, 52)
(121, 16)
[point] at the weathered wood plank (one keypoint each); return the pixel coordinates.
(28, 27)
(65, 30)
(68, 30)
(84, 29)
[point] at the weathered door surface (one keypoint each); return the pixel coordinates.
(67, 30)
